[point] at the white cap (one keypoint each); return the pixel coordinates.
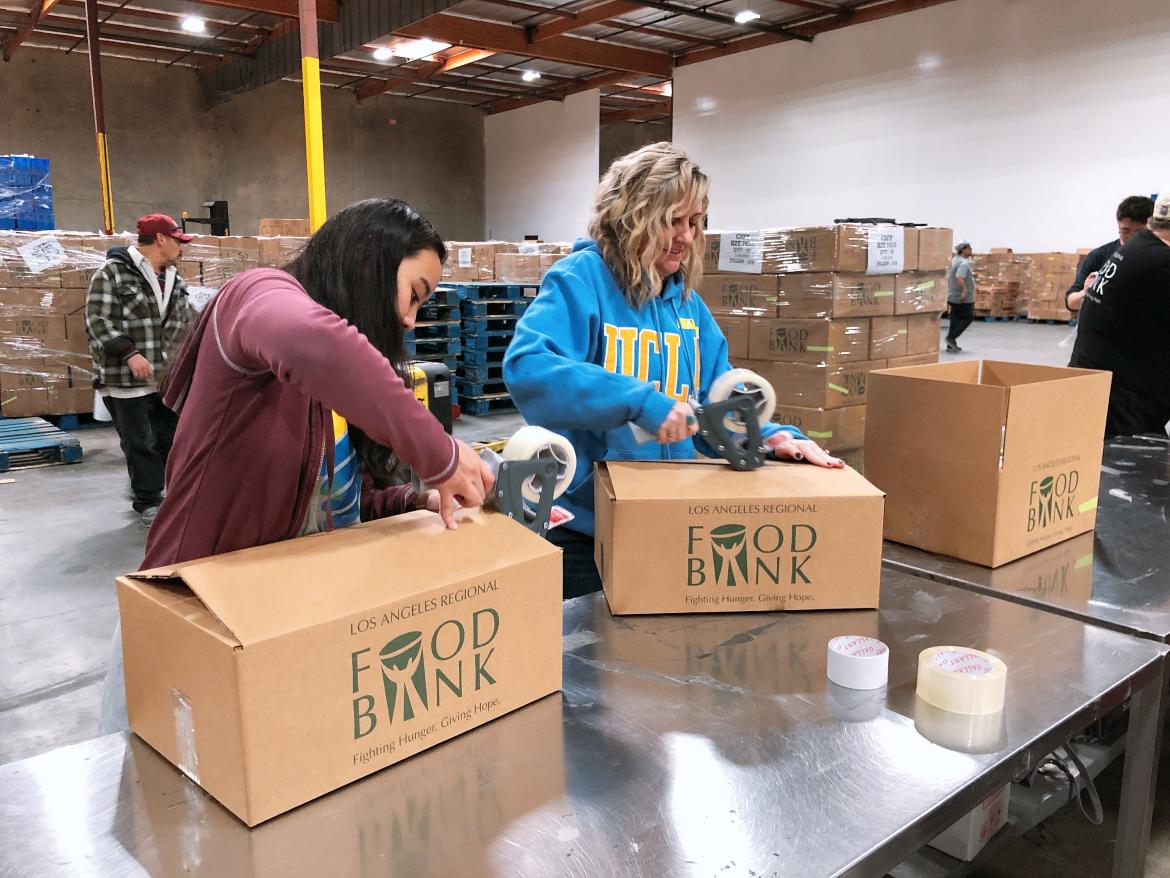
(1162, 205)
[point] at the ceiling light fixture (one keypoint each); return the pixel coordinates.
(530, 75)
(192, 24)
(746, 16)
(383, 53)
(416, 50)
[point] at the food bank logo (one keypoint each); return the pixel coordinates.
(1052, 499)
(416, 672)
(741, 556)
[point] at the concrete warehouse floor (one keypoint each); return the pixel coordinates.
(67, 531)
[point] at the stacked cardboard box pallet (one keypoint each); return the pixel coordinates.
(1049, 275)
(1000, 283)
(45, 364)
(814, 323)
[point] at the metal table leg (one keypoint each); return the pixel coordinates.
(1142, 748)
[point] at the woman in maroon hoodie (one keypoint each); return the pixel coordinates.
(292, 407)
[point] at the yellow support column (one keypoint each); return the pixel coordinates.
(311, 90)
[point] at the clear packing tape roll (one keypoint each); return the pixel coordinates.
(537, 443)
(961, 680)
(744, 382)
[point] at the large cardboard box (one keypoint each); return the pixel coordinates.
(936, 249)
(816, 386)
(986, 461)
(887, 338)
(968, 835)
(923, 334)
(701, 537)
(836, 294)
(723, 293)
(919, 293)
(273, 675)
(524, 268)
(23, 388)
(821, 248)
(736, 329)
(474, 261)
(275, 228)
(809, 341)
(840, 429)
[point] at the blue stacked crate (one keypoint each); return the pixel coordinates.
(490, 312)
(436, 333)
(26, 194)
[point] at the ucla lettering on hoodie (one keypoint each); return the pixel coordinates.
(584, 363)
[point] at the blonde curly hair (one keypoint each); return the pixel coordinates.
(635, 205)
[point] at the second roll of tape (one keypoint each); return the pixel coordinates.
(961, 680)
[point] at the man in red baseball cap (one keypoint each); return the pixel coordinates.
(136, 313)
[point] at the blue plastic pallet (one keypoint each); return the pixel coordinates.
(443, 312)
(428, 331)
(481, 389)
(486, 405)
(445, 295)
(484, 373)
(28, 442)
(475, 357)
(1051, 322)
(494, 307)
(487, 342)
(489, 290)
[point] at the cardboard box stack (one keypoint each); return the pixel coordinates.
(1000, 283)
(813, 312)
(1049, 275)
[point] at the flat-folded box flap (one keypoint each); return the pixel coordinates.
(717, 480)
(283, 587)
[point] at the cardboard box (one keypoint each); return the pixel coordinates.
(269, 690)
(842, 247)
(700, 537)
(986, 461)
(23, 389)
(923, 334)
(809, 341)
(518, 268)
(724, 293)
(887, 338)
(836, 294)
(965, 838)
(936, 248)
(919, 293)
(474, 261)
(916, 360)
(817, 386)
(276, 228)
(840, 429)
(736, 330)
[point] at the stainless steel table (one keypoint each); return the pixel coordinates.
(681, 745)
(1118, 576)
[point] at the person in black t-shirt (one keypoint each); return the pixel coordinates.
(1125, 328)
(1132, 215)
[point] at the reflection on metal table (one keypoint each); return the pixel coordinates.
(705, 745)
(1117, 576)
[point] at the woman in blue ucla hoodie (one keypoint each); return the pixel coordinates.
(617, 338)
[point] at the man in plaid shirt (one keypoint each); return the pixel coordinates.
(136, 313)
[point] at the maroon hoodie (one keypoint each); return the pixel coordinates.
(254, 384)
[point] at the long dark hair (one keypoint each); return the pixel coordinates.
(351, 267)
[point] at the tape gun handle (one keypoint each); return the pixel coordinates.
(642, 435)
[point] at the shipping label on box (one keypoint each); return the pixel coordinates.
(241, 665)
(840, 429)
(986, 461)
(741, 252)
(698, 537)
(886, 251)
(887, 337)
(809, 341)
(817, 385)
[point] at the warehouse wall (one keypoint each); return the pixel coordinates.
(620, 138)
(542, 168)
(1021, 124)
(168, 153)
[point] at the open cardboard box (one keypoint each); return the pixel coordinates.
(983, 460)
(273, 675)
(702, 537)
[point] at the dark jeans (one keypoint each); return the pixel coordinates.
(962, 313)
(580, 573)
(146, 428)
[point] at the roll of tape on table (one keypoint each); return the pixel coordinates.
(961, 680)
(966, 733)
(857, 662)
(537, 443)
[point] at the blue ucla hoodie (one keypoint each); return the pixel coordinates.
(584, 363)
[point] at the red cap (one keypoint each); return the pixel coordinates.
(161, 224)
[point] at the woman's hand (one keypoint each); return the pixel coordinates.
(428, 500)
(680, 424)
(787, 447)
(468, 486)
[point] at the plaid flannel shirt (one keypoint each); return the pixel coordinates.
(123, 319)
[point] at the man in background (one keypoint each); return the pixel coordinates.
(1132, 215)
(960, 295)
(136, 312)
(1125, 328)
